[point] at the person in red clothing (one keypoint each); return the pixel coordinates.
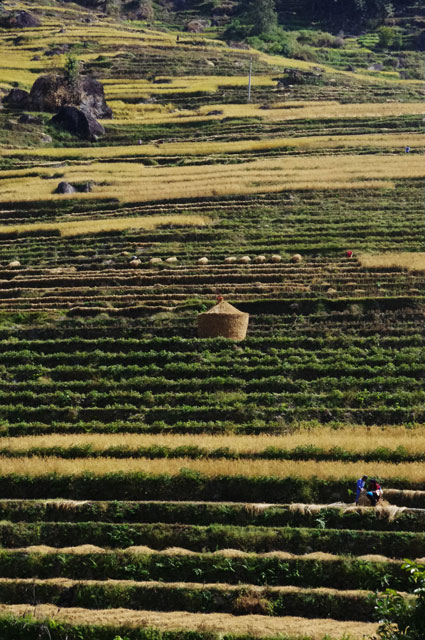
(349, 253)
(374, 492)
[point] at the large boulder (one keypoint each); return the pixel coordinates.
(18, 20)
(17, 99)
(65, 187)
(50, 92)
(78, 122)
(93, 98)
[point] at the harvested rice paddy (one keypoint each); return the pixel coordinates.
(155, 482)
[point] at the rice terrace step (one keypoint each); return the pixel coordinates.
(254, 155)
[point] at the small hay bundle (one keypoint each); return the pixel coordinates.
(230, 259)
(203, 261)
(364, 500)
(297, 258)
(223, 320)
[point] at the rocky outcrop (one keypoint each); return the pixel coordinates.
(49, 93)
(17, 99)
(78, 122)
(18, 20)
(197, 26)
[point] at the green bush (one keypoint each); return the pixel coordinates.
(401, 618)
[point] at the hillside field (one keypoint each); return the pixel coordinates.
(159, 486)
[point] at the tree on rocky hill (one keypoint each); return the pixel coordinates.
(72, 70)
(146, 10)
(113, 7)
(262, 15)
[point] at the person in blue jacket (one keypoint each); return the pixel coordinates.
(360, 486)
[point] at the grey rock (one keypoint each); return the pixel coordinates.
(376, 66)
(78, 122)
(65, 187)
(17, 99)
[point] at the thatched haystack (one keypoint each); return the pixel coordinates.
(297, 258)
(223, 320)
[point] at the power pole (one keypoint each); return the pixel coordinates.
(250, 80)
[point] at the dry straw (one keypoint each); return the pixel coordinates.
(37, 466)
(352, 439)
(223, 320)
(223, 623)
(409, 261)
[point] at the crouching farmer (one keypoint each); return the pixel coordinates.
(374, 492)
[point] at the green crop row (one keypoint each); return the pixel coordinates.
(157, 406)
(291, 358)
(340, 573)
(71, 424)
(163, 349)
(30, 379)
(164, 418)
(158, 536)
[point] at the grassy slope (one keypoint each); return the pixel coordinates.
(89, 345)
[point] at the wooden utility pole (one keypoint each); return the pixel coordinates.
(250, 80)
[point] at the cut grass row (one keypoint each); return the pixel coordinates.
(32, 481)
(337, 516)
(257, 570)
(199, 538)
(72, 623)
(206, 598)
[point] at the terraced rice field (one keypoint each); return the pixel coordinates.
(154, 484)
